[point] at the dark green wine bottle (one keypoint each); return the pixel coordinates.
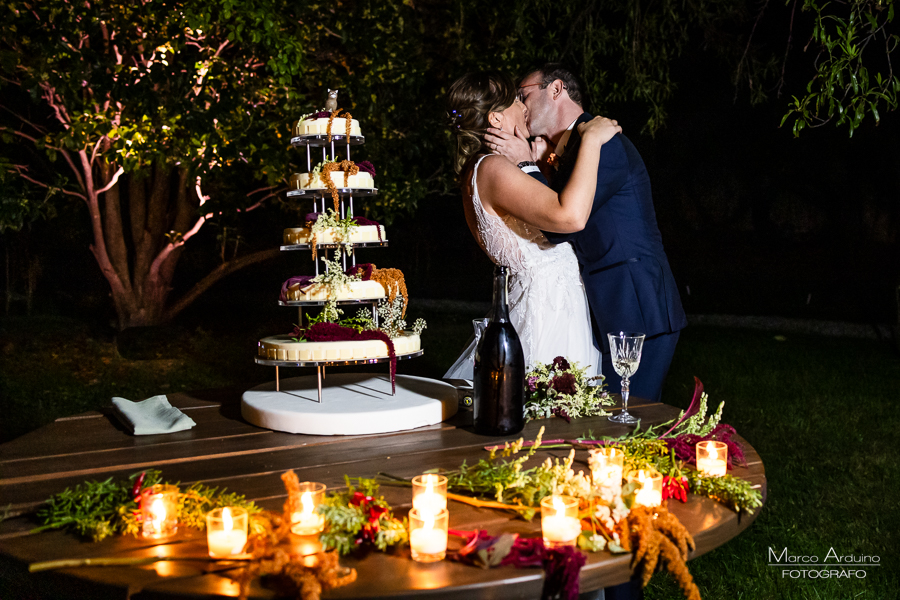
(499, 370)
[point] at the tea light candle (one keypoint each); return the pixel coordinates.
(226, 531)
(428, 535)
(712, 458)
(159, 511)
(650, 491)
(307, 521)
(560, 525)
(607, 465)
(429, 493)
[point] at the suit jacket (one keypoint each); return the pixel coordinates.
(629, 284)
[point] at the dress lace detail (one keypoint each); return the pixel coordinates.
(547, 302)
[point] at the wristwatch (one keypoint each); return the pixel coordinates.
(528, 166)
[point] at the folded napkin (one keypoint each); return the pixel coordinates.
(151, 416)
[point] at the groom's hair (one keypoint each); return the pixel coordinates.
(550, 72)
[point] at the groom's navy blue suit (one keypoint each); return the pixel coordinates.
(629, 284)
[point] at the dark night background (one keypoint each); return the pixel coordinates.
(755, 222)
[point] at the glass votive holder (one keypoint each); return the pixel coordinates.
(607, 465)
(308, 521)
(649, 490)
(560, 524)
(712, 458)
(159, 511)
(226, 531)
(428, 535)
(429, 493)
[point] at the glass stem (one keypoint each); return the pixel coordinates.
(624, 395)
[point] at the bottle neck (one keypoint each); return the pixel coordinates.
(500, 309)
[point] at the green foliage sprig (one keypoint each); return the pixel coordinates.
(98, 509)
(508, 482)
(842, 87)
(731, 491)
(359, 517)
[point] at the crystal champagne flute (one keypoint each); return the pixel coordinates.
(625, 348)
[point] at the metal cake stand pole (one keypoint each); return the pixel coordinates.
(320, 372)
(277, 380)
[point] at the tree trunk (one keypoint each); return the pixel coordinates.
(161, 207)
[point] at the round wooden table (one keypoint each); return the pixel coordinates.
(225, 451)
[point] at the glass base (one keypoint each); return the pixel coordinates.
(624, 417)
(428, 557)
(556, 545)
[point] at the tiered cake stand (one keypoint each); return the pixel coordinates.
(347, 403)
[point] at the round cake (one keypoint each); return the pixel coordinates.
(331, 235)
(283, 347)
(320, 127)
(354, 290)
(340, 179)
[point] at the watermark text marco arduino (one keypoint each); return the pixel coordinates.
(850, 564)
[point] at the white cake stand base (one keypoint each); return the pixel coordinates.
(352, 404)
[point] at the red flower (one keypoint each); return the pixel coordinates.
(564, 384)
(675, 487)
(560, 364)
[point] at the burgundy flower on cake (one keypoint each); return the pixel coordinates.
(322, 114)
(564, 384)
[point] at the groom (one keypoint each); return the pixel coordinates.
(626, 274)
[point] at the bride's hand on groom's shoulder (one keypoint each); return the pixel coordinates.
(599, 130)
(515, 147)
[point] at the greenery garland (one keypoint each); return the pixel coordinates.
(359, 517)
(98, 509)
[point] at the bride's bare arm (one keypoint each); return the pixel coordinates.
(504, 187)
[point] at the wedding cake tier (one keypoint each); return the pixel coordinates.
(286, 348)
(333, 235)
(320, 126)
(353, 290)
(338, 179)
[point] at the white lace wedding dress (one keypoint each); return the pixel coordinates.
(547, 303)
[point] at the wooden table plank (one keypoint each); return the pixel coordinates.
(225, 451)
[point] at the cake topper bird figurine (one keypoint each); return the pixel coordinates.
(331, 103)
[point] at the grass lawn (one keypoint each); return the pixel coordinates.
(821, 412)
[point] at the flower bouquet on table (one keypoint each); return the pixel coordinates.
(565, 390)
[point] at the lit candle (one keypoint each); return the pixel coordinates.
(560, 525)
(159, 511)
(307, 521)
(712, 458)
(226, 531)
(649, 493)
(428, 535)
(607, 465)
(429, 493)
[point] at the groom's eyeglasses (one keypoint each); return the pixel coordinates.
(520, 95)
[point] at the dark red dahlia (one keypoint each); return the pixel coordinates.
(560, 364)
(366, 166)
(564, 384)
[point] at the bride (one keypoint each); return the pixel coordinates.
(506, 210)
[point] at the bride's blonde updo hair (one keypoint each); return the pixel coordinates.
(472, 98)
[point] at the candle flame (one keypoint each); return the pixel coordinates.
(427, 520)
(559, 506)
(712, 450)
(307, 502)
(158, 512)
(642, 477)
(227, 522)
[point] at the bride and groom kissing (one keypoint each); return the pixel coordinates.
(580, 238)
